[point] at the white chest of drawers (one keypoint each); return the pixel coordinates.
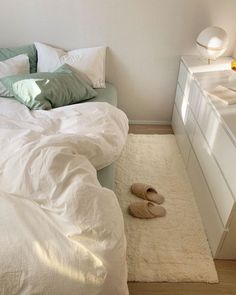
(205, 131)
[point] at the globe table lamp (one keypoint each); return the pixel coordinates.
(212, 42)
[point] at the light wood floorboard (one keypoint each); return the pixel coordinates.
(150, 129)
(226, 268)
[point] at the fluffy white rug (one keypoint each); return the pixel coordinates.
(173, 248)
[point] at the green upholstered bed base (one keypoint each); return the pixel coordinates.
(106, 177)
(109, 95)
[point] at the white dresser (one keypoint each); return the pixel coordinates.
(205, 130)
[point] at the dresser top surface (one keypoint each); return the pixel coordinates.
(208, 76)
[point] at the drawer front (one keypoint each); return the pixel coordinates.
(181, 136)
(225, 154)
(184, 78)
(190, 124)
(211, 221)
(219, 189)
(181, 102)
(195, 97)
(207, 121)
(220, 143)
(228, 250)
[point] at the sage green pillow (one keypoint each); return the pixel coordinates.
(43, 91)
(30, 50)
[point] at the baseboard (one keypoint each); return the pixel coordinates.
(144, 122)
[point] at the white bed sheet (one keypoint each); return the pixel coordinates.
(61, 232)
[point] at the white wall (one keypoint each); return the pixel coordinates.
(146, 39)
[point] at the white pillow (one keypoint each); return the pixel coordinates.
(89, 62)
(13, 66)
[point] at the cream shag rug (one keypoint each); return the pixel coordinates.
(173, 248)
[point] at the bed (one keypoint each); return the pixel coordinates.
(62, 231)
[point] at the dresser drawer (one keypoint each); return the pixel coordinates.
(181, 102)
(195, 97)
(219, 189)
(184, 78)
(225, 154)
(190, 124)
(207, 121)
(211, 221)
(228, 248)
(219, 141)
(180, 134)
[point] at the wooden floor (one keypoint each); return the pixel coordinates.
(150, 129)
(226, 269)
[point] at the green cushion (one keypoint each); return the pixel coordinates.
(49, 90)
(30, 50)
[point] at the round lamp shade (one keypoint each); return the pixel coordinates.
(212, 42)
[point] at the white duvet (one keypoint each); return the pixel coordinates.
(60, 231)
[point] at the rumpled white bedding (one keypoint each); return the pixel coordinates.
(60, 231)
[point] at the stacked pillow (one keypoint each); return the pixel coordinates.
(29, 50)
(43, 91)
(62, 77)
(13, 66)
(89, 63)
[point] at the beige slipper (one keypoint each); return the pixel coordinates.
(147, 192)
(146, 209)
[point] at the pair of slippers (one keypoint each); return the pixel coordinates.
(150, 207)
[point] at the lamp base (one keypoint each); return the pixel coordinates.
(210, 60)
